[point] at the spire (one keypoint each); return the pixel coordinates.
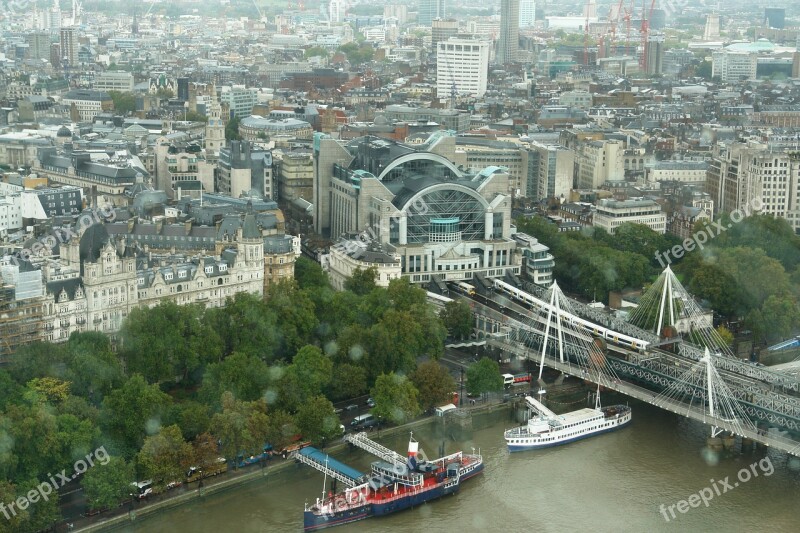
(135, 24)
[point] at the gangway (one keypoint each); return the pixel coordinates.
(784, 345)
(329, 466)
(538, 406)
(368, 445)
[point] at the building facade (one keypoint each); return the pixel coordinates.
(462, 67)
(439, 220)
(611, 214)
(508, 42)
(731, 66)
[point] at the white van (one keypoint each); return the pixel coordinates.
(440, 411)
(364, 421)
(508, 379)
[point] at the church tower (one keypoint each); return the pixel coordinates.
(215, 128)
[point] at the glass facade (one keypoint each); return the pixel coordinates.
(443, 213)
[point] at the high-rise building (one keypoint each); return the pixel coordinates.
(336, 10)
(430, 10)
(775, 17)
(54, 18)
(38, 45)
(462, 65)
(711, 30)
(508, 42)
(655, 54)
(443, 29)
(183, 89)
(753, 178)
(69, 46)
(527, 13)
(550, 171)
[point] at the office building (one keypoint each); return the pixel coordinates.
(775, 17)
(245, 170)
(611, 214)
(551, 168)
(429, 10)
(527, 13)
(655, 54)
(38, 45)
(113, 80)
(734, 66)
(462, 67)
(508, 42)
(240, 100)
(441, 30)
(69, 46)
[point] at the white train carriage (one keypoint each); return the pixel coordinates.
(591, 328)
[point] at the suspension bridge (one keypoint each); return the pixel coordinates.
(645, 357)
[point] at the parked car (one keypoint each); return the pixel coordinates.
(370, 402)
(351, 407)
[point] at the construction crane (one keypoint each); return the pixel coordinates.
(644, 33)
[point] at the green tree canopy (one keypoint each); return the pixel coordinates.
(434, 383)
(315, 51)
(165, 456)
(132, 412)
(296, 316)
(458, 318)
(313, 370)
(484, 376)
(357, 53)
(245, 376)
(167, 342)
(124, 102)
(92, 368)
(396, 398)
(242, 427)
(361, 281)
(232, 130)
(107, 485)
(348, 381)
(245, 325)
(317, 420)
(309, 274)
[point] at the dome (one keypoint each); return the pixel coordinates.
(63, 131)
(380, 120)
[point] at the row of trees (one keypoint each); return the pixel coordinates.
(186, 384)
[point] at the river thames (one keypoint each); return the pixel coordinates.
(613, 482)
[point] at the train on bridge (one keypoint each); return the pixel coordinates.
(530, 301)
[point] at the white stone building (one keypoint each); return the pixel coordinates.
(611, 214)
(462, 62)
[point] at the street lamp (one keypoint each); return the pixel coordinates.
(461, 396)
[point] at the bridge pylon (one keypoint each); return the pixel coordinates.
(667, 304)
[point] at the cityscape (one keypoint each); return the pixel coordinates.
(284, 265)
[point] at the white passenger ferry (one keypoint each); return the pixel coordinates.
(545, 428)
